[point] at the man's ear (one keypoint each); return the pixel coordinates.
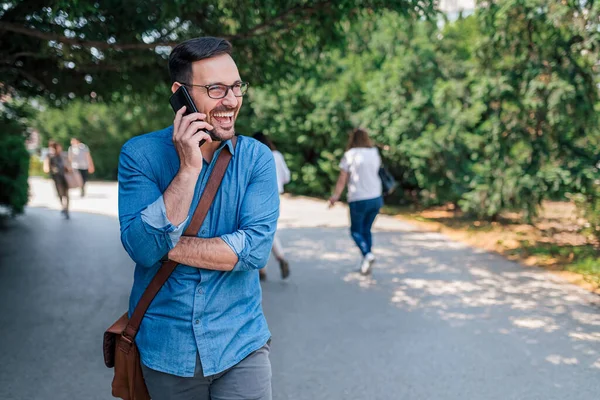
(175, 86)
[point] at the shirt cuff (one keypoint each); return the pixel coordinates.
(237, 242)
(155, 215)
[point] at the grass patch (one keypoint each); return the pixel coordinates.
(583, 259)
(589, 268)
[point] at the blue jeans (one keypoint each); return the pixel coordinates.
(362, 216)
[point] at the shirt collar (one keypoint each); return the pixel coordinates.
(229, 144)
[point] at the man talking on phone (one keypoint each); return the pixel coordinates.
(204, 335)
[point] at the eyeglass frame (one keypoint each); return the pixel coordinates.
(229, 87)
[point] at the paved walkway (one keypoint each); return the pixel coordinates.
(438, 320)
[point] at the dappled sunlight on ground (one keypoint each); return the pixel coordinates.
(362, 281)
(588, 337)
(467, 289)
(586, 318)
(546, 323)
(557, 360)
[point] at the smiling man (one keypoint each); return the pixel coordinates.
(204, 335)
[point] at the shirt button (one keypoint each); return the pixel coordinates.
(199, 291)
(204, 231)
(197, 321)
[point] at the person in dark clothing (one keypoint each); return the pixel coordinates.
(56, 165)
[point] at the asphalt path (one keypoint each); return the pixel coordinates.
(437, 319)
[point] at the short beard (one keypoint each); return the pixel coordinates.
(221, 135)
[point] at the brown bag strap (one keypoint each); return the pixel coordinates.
(214, 181)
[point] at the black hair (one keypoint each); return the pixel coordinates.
(184, 54)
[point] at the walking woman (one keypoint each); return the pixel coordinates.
(283, 177)
(56, 165)
(359, 170)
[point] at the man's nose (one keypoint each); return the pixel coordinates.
(230, 100)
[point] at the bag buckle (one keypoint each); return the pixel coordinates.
(125, 347)
(128, 340)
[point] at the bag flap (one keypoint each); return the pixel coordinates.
(119, 326)
(110, 340)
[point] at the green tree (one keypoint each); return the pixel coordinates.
(491, 124)
(384, 79)
(65, 49)
(537, 79)
(108, 50)
(491, 112)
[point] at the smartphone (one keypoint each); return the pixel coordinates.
(181, 98)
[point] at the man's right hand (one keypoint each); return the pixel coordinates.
(187, 135)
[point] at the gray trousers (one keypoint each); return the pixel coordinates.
(250, 379)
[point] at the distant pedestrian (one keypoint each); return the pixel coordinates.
(57, 165)
(81, 160)
(283, 177)
(359, 170)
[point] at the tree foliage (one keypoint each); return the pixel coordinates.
(493, 112)
(113, 51)
(538, 82)
(65, 48)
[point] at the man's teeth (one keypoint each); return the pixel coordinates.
(223, 115)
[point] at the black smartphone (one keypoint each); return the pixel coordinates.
(181, 98)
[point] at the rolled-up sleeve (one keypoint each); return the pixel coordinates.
(146, 233)
(258, 217)
(155, 215)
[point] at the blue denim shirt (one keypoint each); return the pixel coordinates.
(217, 315)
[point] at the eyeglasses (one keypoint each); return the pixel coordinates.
(218, 91)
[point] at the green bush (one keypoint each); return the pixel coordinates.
(14, 162)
